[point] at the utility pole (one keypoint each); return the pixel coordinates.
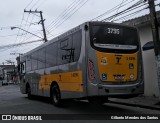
(41, 21)
(154, 24)
(156, 41)
(18, 58)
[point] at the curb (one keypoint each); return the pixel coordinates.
(136, 105)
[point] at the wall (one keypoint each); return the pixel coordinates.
(150, 74)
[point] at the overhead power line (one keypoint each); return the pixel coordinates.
(40, 22)
(32, 5)
(75, 9)
(29, 27)
(3, 36)
(131, 14)
(18, 44)
(29, 4)
(40, 4)
(35, 4)
(9, 27)
(26, 22)
(19, 34)
(112, 10)
(119, 7)
(129, 9)
(64, 13)
(19, 29)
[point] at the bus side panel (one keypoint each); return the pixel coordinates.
(39, 89)
(77, 66)
(66, 75)
(32, 79)
(45, 82)
(84, 60)
(92, 84)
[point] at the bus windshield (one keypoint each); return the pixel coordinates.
(114, 38)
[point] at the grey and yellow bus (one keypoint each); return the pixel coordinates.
(93, 61)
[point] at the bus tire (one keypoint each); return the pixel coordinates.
(28, 88)
(55, 95)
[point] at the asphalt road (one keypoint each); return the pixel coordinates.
(13, 102)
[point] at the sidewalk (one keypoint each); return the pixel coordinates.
(141, 101)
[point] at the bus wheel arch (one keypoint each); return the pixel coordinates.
(55, 94)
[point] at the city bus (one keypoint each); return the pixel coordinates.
(93, 61)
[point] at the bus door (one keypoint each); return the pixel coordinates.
(22, 72)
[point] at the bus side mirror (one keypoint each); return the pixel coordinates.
(148, 46)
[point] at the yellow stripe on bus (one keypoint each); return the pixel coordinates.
(68, 81)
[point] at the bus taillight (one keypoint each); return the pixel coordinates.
(91, 70)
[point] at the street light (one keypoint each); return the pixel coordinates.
(12, 28)
(16, 54)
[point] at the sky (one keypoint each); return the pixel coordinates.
(59, 15)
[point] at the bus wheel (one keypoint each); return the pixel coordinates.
(55, 95)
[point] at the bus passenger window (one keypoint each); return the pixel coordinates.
(64, 44)
(28, 63)
(65, 50)
(77, 41)
(41, 58)
(51, 55)
(34, 59)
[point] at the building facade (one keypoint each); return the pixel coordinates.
(8, 73)
(150, 73)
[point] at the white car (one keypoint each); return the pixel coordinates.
(10, 82)
(4, 82)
